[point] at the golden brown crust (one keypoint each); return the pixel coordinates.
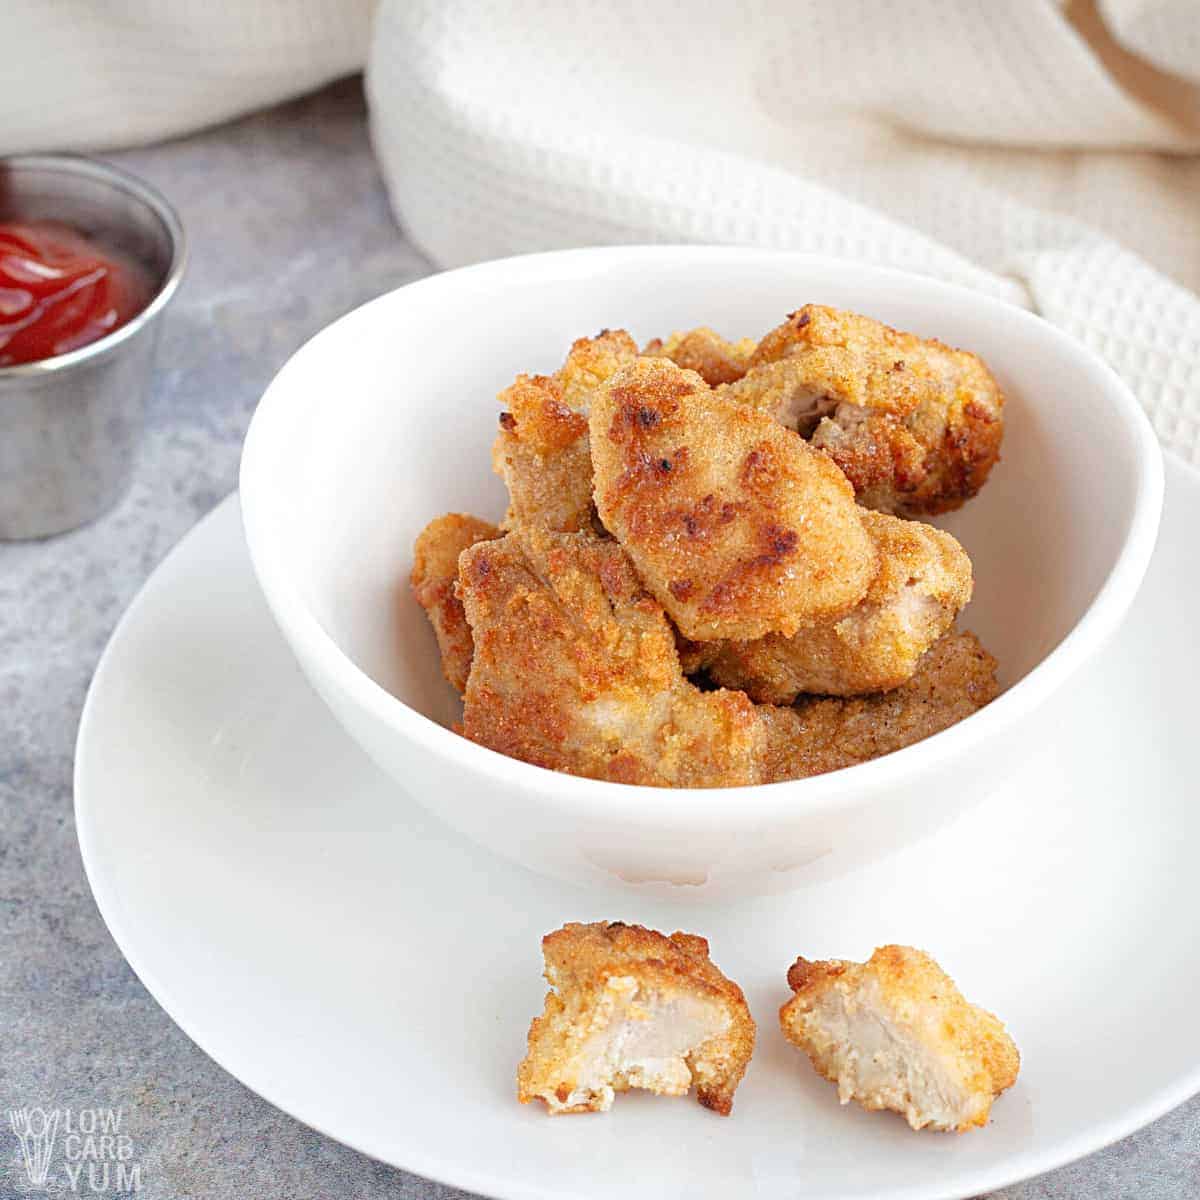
(541, 453)
(714, 358)
(955, 678)
(918, 1019)
(611, 947)
(915, 425)
(923, 582)
(780, 587)
(605, 972)
(576, 669)
(541, 448)
(434, 572)
(734, 523)
(591, 361)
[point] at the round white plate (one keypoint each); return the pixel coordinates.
(367, 971)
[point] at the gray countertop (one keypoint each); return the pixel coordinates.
(290, 227)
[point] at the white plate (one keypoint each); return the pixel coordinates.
(330, 944)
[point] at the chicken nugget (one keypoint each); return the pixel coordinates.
(541, 450)
(735, 524)
(434, 574)
(576, 669)
(631, 1008)
(923, 582)
(715, 359)
(955, 678)
(916, 425)
(895, 1033)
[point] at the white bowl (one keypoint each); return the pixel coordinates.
(385, 419)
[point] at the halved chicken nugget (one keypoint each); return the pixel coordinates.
(434, 574)
(923, 582)
(895, 1033)
(737, 526)
(631, 1008)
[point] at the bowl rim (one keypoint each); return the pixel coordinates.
(150, 198)
(638, 804)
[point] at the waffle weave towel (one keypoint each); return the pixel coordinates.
(1042, 151)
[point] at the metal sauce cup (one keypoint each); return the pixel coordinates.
(70, 425)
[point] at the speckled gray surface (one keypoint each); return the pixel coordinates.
(290, 228)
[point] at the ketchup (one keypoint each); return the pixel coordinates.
(59, 291)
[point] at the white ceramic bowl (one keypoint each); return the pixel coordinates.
(385, 419)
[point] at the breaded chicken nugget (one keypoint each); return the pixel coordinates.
(736, 525)
(434, 572)
(630, 1008)
(954, 679)
(576, 669)
(915, 425)
(541, 451)
(896, 1033)
(715, 359)
(923, 582)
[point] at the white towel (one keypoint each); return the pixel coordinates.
(98, 74)
(1043, 152)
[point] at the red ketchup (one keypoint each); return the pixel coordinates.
(59, 291)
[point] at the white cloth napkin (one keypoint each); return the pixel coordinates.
(98, 74)
(1043, 152)
(979, 141)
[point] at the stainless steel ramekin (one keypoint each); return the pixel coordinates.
(70, 425)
